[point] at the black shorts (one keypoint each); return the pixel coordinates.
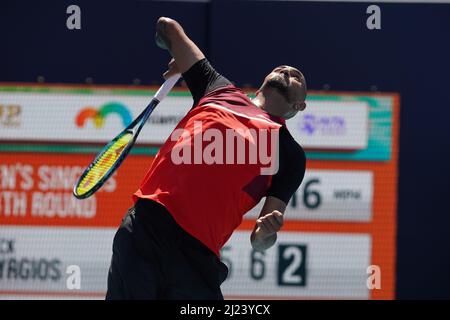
(154, 258)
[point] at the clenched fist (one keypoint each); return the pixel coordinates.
(269, 224)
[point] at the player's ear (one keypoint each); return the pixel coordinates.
(301, 106)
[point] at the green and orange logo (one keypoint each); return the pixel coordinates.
(99, 115)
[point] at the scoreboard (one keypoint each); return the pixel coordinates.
(340, 228)
(338, 240)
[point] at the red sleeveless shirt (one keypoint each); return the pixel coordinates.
(208, 192)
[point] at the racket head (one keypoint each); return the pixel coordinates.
(105, 163)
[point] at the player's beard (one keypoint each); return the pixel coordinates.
(290, 114)
(279, 83)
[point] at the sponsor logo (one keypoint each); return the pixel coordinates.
(99, 115)
(164, 119)
(10, 115)
(310, 124)
(339, 125)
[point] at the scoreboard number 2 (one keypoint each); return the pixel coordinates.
(292, 265)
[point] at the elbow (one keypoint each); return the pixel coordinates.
(166, 25)
(163, 21)
(166, 31)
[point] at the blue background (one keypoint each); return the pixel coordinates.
(329, 42)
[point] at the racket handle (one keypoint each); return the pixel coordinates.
(166, 87)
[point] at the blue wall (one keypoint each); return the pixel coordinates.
(245, 39)
(115, 43)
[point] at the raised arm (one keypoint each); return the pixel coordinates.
(201, 78)
(171, 36)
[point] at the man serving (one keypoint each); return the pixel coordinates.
(168, 246)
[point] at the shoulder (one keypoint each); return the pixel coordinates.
(291, 169)
(291, 151)
(227, 94)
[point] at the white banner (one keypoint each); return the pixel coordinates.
(330, 195)
(342, 125)
(39, 262)
(97, 118)
(93, 118)
(300, 265)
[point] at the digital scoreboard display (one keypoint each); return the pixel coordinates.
(338, 240)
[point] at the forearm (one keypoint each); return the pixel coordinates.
(171, 36)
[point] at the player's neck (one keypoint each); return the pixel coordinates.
(261, 102)
(257, 101)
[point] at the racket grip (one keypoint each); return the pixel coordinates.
(166, 87)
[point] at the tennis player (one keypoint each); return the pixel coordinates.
(168, 245)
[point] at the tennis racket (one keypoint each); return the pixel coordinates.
(112, 155)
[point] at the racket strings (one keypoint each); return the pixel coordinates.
(101, 166)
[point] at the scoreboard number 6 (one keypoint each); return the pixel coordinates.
(257, 265)
(292, 265)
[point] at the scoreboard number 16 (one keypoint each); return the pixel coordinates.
(311, 196)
